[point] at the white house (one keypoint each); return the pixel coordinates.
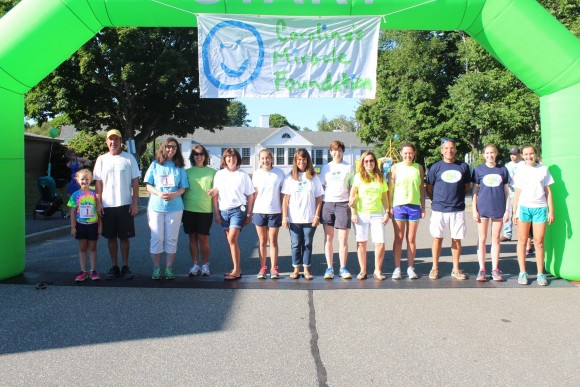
(282, 142)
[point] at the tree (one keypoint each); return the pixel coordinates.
(338, 123)
(237, 114)
(279, 121)
(88, 144)
(7, 5)
(143, 81)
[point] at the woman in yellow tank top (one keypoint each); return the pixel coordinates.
(407, 196)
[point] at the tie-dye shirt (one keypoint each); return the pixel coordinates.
(86, 206)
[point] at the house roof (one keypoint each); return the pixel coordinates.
(252, 136)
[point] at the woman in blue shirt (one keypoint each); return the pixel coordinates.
(166, 181)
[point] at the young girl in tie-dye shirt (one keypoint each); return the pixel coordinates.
(85, 224)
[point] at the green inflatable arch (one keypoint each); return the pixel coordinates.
(521, 34)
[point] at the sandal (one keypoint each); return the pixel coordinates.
(361, 276)
(379, 276)
(308, 276)
(294, 275)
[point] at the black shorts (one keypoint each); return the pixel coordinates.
(336, 214)
(118, 223)
(87, 231)
(197, 222)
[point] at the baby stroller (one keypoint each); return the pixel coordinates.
(49, 202)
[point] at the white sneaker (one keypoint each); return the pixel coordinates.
(205, 269)
(195, 270)
(411, 273)
(397, 274)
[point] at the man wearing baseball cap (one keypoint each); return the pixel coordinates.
(512, 166)
(116, 177)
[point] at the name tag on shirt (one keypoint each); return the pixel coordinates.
(87, 211)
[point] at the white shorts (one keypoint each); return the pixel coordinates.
(445, 223)
(164, 231)
(372, 221)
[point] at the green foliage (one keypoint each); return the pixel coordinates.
(7, 5)
(88, 144)
(279, 121)
(338, 123)
(142, 81)
(147, 158)
(237, 114)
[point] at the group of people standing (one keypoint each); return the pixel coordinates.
(338, 198)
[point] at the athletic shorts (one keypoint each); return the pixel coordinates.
(118, 223)
(451, 223)
(407, 212)
(233, 218)
(533, 215)
(268, 220)
(336, 214)
(197, 222)
(88, 231)
(374, 222)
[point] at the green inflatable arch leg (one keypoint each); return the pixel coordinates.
(519, 33)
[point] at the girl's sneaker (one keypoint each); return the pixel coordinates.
(481, 276)
(496, 275)
(205, 269)
(83, 275)
(274, 273)
(542, 280)
(169, 273)
(156, 273)
(523, 278)
(94, 275)
(262, 273)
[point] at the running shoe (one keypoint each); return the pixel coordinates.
(205, 269)
(126, 273)
(459, 274)
(481, 276)
(523, 278)
(94, 275)
(496, 275)
(274, 273)
(434, 274)
(542, 280)
(411, 273)
(156, 273)
(195, 270)
(113, 273)
(329, 273)
(262, 274)
(344, 273)
(83, 275)
(169, 273)
(397, 274)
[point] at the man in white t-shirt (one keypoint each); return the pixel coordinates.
(336, 178)
(116, 177)
(512, 166)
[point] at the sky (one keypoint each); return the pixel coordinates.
(301, 112)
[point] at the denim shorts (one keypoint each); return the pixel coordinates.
(233, 218)
(268, 220)
(533, 215)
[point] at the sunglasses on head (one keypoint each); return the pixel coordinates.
(444, 140)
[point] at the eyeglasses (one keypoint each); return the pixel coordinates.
(197, 154)
(444, 140)
(169, 147)
(369, 161)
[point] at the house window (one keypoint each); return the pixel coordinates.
(318, 159)
(245, 156)
(291, 152)
(279, 156)
(285, 135)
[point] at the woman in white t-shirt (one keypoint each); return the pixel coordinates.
(267, 183)
(533, 207)
(301, 208)
(232, 204)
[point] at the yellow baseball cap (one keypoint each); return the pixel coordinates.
(114, 132)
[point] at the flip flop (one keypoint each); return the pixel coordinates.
(361, 276)
(230, 277)
(294, 275)
(379, 276)
(308, 276)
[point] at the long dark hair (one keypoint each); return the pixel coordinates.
(309, 170)
(161, 155)
(199, 149)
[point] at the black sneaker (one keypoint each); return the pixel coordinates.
(126, 273)
(113, 273)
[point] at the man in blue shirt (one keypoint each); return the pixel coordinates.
(448, 181)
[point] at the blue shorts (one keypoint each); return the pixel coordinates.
(533, 215)
(233, 218)
(268, 220)
(407, 212)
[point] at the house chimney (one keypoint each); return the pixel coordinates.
(265, 121)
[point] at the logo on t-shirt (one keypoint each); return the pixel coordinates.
(451, 176)
(492, 180)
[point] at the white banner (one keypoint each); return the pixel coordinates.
(287, 57)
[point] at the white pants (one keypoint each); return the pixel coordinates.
(447, 223)
(164, 231)
(372, 221)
